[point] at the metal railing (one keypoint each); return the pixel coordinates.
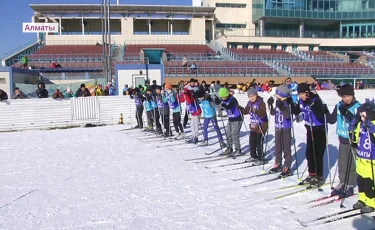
(18, 49)
(87, 33)
(194, 56)
(159, 33)
(220, 71)
(270, 57)
(75, 42)
(165, 42)
(66, 57)
(331, 71)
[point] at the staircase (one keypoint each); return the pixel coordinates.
(303, 56)
(116, 54)
(280, 70)
(223, 51)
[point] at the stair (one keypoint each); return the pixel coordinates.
(116, 55)
(225, 54)
(303, 56)
(280, 70)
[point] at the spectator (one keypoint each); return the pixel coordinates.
(57, 94)
(184, 62)
(53, 65)
(109, 90)
(330, 85)
(125, 90)
(58, 65)
(24, 61)
(99, 90)
(69, 93)
(83, 91)
(3, 95)
(18, 94)
(41, 92)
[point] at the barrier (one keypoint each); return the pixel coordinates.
(27, 114)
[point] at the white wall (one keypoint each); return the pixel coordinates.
(126, 76)
(5, 82)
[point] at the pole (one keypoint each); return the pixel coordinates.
(103, 37)
(109, 64)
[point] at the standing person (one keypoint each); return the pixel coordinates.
(344, 113)
(193, 108)
(364, 141)
(138, 100)
(235, 118)
(174, 104)
(311, 108)
(258, 125)
(192, 88)
(209, 114)
(163, 111)
(83, 91)
(283, 130)
(149, 105)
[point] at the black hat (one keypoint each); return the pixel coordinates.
(346, 90)
(158, 87)
(303, 88)
(83, 85)
(192, 80)
(154, 82)
(200, 93)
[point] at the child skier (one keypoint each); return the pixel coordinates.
(138, 99)
(312, 110)
(193, 108)
(258, 125)
(235, 118)
(364, 141)
(209, 114)
(149, 105)
(344, 113)
(163, 110)
(283, 125)
(173, 101)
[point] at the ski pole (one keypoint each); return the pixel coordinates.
(329, 161)
(294, 145)
(314, 149)
(346, 180)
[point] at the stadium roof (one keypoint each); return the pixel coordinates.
(120, 9)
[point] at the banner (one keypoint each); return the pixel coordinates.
(40, 27)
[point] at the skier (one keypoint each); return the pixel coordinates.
(174, 103)
(364, 141)
(235, 118)
(283, 129)
(209, 114)
(150, 106)
(344, 113)
(312, 110)
(138, 99)
(193, 108)
(258, 125)
(163, 110)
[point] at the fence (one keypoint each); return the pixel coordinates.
(26, 114)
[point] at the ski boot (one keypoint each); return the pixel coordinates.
(307, 180)
(250, 159)
(195, 140)
(338, 189)
(286, 172)
(359, 205)
(349, 191)
(228, 151)
(317, 181)
(367, 209)
(204, 143)
(276, 168)
(236, 153)
(258, 162)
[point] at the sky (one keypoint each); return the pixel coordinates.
(14, 12)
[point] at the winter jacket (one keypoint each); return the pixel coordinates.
(191, 105)
(42, 92)
(258, 115)
(3, 95)
(85, 93)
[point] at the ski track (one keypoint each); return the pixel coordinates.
(108, 178)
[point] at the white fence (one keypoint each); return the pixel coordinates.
(49, 113)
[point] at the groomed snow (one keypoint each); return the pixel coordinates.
(108, 178)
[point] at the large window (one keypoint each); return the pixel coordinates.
(230, 5)
(234, 26)
(359, 30)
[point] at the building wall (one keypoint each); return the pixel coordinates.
(5, 82)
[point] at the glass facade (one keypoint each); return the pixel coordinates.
(358, 30)
(315, 9)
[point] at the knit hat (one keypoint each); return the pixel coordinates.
(168, 86)
(346, 90)
(158, 87)
(252, 91)
(83, 85)
(283, 91)
(192, 80)
(303, 88)
(223, 92)
(369, 108)
(200, 93)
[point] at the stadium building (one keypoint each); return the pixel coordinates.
(233, 41)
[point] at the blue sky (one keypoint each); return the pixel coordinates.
(14, 12)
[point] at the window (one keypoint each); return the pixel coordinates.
(230, 5)
(224, 25)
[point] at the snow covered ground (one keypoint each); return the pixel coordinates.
(108, 178)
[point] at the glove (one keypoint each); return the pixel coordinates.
(289, 100)
(343, 110)
(270, 101)
(217, 101)
(253, 109)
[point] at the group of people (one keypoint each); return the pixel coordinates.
(355, 128)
